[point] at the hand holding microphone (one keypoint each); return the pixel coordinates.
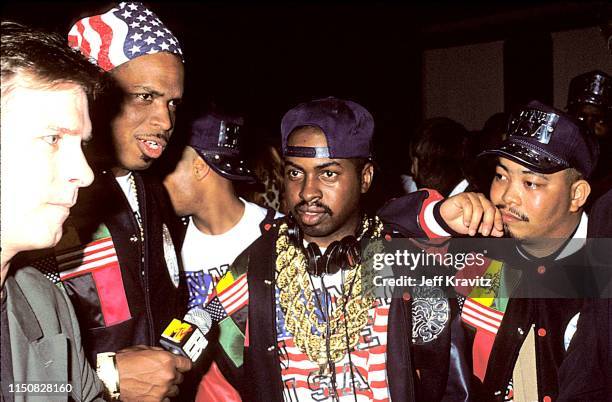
(153, 374)
(149, 373)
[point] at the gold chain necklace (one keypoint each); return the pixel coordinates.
(296, 299)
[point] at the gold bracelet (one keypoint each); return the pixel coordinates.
(106, 367)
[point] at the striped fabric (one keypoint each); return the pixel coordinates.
(95, 255)
(121, 34)
(481, 316)
(92, 265)
(233, 293)
(302, 381)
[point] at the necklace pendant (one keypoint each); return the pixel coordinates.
(323, 364)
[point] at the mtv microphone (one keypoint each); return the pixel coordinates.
(186, 337)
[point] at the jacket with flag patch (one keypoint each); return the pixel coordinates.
(124, 291)
(247, 351)
(498, 325)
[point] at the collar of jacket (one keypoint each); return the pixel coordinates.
(19, 307)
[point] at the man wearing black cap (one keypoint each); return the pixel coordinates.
(590, 100)
(524, 328)
(217, 224)
(294, 323)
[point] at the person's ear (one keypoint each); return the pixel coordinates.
(201, 169)
(367, 175)
(579, 192)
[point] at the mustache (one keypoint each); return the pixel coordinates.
(514, 212)
(163, 136)
(317, 204)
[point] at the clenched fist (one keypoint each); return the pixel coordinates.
(471, 213)
(148, 374)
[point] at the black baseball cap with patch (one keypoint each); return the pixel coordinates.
(347, 126)
(594, 88)
(547, 140)
(216, 138)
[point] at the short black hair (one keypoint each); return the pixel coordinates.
(44, 60)
(441, 148)
(360, 163)
(572, 175)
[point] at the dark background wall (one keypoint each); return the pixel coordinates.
(262, 59)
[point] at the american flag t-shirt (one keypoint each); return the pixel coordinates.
(364, 373)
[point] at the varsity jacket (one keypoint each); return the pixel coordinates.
(498, 325)
(124, 291)
(247, 351)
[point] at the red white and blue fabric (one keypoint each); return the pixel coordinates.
(121, 34)
(201, 286)
(486, 321)
(301, 378)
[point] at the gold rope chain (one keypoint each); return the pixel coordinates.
(300, 314)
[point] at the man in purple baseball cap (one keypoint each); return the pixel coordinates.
(293, 285)
(118, 257)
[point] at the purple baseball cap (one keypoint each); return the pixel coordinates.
(547, 140)
(347, 126)
(216, 138)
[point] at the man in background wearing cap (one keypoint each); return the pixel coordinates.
(117, 259)
(46, 88)
(523, 328)
(294, 324)
(217, 224)
(590, 100)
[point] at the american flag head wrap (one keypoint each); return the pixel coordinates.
(121, 34)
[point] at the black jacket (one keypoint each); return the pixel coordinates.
(441, 366)
(547, 293)
(131, 299)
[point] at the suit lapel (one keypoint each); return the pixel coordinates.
(21, 311)
(34, 356)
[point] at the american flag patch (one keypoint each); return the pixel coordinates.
(95, 255)
(48, 267)
(235, 296)
(481, 316)
(98, 258)
(215, 309)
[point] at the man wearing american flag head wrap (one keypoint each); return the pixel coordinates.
(117, 258)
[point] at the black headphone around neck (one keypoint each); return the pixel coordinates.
(340, 254)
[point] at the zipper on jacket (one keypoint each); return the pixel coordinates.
(144, 253)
